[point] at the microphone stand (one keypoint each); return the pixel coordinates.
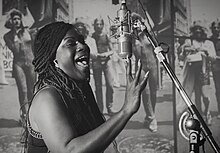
(193, 125)
(192, 108)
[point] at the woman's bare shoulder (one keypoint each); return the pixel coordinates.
(46, 98)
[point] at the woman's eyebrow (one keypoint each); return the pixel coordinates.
(69, 37)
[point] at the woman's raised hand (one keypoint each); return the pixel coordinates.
(134, 88)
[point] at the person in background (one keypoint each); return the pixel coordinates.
(198, 52)
(19, 41)
(143, 51)
(103, 63)
(215, 37)
(63, 115)
(117, 62)
(118, 67)
(180, 58)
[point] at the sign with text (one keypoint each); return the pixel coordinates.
(7, 57)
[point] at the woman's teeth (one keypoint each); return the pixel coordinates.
(83, 63)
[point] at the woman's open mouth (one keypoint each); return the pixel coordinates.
(83, 61)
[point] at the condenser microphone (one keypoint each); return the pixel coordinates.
(124, 38)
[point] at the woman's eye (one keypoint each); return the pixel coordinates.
(71, 43)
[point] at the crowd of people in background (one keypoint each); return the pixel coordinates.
(198, 57)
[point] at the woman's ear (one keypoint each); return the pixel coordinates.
(55, 63)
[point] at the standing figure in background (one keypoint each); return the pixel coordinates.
(215, 28)
(102, 63)
(143, 51)
(117, 62)
(198, 52)
(180, 58)
(19, 41)
(118, 67)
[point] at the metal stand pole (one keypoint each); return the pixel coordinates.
(192, 108)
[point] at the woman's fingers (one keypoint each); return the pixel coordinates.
(138, 73)
(144, 81)
(128, 70)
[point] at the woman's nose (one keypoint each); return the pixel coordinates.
(81, 46)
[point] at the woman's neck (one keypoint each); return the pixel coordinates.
(99, 33)
(80, 84)
(16, 29)
(216, 35)
(200, 39)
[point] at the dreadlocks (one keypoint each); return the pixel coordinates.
(46, 44)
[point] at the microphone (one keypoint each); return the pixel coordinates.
(124, 37)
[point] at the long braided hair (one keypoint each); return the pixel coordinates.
(45, 46)
(46, 43)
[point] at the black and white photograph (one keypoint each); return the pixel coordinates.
(109, 76)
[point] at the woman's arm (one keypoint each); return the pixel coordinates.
(14, 44)
(185, 49)
(109, 43)
(211, 50)
(49, 115)
(93, 48)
